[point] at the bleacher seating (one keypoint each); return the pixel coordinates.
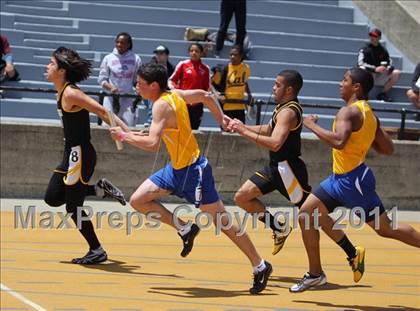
(317, 38)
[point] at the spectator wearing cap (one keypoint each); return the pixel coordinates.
(117, 75)
(161, 57)
(413, 92)
(7, 69)
(374, 57)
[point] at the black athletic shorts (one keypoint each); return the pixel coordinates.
(289, 177)
(78, 164)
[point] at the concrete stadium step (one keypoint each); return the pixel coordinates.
(264, 53)
(299, 9)
(211, 19)
(27, 9)
(257, 84)
(44, 28)
(258, 68)
(27, 108)
(55, 44)
(10, 18)
(312, 88)
(184, 19)
(48, 110)
(338, 101)
(271, 38)
(62, 37)
(280, 8)
(323, 89)
(41, 4)
(281, 38)
(319, 2)
(18, 37)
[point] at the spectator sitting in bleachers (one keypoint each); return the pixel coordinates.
(232, 83)
(7, 68)
(192, 74)
(413, 93)
(161, 57)
(117, 75)
(375, 58)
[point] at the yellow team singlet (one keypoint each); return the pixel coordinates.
(180, 142)
(354, 152)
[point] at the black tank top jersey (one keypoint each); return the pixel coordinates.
(76, 125)
(291, 147)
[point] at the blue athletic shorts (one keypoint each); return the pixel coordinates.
(353, 189)
(195, 183)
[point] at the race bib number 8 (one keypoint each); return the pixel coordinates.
(75, 166)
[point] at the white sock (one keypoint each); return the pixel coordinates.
(184, 230)
(260, 267)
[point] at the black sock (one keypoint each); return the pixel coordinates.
(274, 224)
(87, 231)
(91, 191)
(347, 246)
(313, 275)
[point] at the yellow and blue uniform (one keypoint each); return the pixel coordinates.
(352, 183)
(189, 174)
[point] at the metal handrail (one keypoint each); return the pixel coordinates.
(259, 103)
(403, 112)
(101, 95)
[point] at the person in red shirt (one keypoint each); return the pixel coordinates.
(192, 74)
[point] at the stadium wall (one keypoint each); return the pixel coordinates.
(30, 152)
(399, 19)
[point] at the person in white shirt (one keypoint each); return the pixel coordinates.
(117, 75)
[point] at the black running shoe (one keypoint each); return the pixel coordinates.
(188, 240)
(110, 191)
(260, 279)
(91, 258)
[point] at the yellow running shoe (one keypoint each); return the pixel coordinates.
(357, 263)
(279, 240)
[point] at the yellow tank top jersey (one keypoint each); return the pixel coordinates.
(356, 148)
(180, 142)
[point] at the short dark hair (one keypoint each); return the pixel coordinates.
(364, 77)
(292, 78)
(77, 68)
(128, 36)
(199, 45)
(154, 73)
(240, 50)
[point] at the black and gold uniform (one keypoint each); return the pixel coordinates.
(79, 156)
(68, 184)
(286, 172)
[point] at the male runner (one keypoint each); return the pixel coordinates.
(189, 175)
(286, 171)
(355, 130)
